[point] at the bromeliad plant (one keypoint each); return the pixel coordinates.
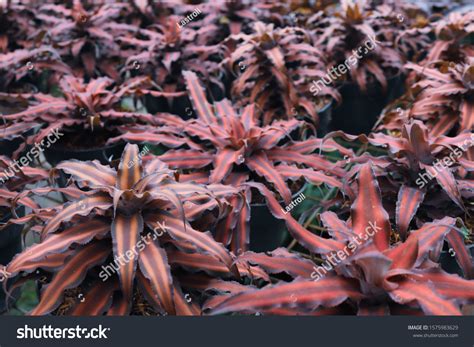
(453, 42)
(236, 149)
(227, 18)
(418, 164)
(86, 39)
(15, 26)
(425, 175)
(165, 50)
(441, 96)
(368, 274)
(225, 139)
(109, 223)
(446, 96)
(82, 106)
(343, 34)
(274, 69)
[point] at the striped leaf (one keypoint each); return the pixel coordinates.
(309, 240)
(82, 207)
(130, 168)
(260, 163)
(202, 242)
(58, 243)
(426, 296)
(198, 98)
(126, 231)
(367, 211)
(90, 174)
(329, 292)
(96, 301)
(70, 276)
(409, 200)
(154, 266)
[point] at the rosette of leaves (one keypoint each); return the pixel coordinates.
(224, 18)
(274, 68)
(441, 97)
(406, 25)
(365, 274)
(453, 39)
(223, 145)
(86, 37)
(15, 26)
(144, 13)
(444, 97)
(138, 213)
(93, 105)
(428, 177)
(164, 50)
(343, 34)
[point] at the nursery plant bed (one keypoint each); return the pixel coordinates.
(359, 111)
(225, 180)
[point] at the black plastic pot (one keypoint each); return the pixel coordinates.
(267, 232)
(10, 245)
(359, 111)
(449, 264)
(58, 153)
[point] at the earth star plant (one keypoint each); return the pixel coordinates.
(116, 209)
(378, 278)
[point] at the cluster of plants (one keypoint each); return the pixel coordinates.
(194, 170)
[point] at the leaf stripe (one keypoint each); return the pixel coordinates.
(154, 266)
(125, 233)
(70, 275)
(198, 98)
(129, 171)
(409, 200)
